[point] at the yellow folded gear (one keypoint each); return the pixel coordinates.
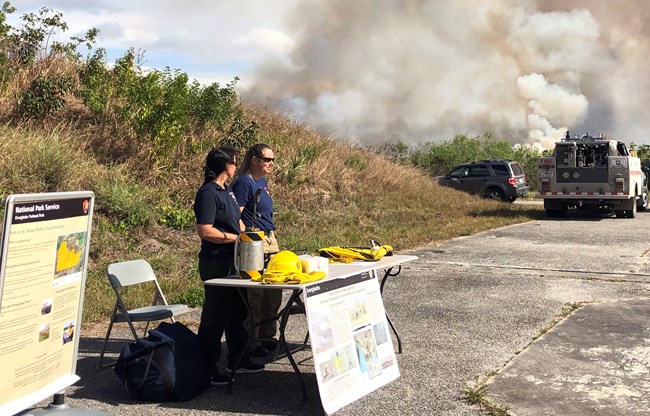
(311, 276)
(291, 278)
(338, 254)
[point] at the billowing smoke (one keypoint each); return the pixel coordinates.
(418, 70)
(550, 102)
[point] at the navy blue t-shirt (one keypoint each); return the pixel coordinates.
(217, 206)
(245, 187)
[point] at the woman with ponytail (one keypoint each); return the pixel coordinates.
(218, 226)
(252, 192)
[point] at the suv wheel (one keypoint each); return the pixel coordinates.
(494, 193)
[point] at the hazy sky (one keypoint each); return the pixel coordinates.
(415, 70)
(210, 40)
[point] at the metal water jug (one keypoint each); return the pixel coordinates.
(249, 254)
(249, 248)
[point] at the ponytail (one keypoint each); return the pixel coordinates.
(216, 161)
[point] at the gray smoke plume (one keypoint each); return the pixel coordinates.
(417, 70)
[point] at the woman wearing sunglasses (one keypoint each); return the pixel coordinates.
(249, 184)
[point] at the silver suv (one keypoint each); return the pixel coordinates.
(503, 180)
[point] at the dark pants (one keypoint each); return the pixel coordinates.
(224, 310)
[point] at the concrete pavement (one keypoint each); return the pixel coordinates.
(473, 310)
(595, 362)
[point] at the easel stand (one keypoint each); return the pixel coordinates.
(59, 407)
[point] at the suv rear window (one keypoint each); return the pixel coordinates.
(516, 169)
(500, 170)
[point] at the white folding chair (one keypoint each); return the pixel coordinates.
(130, 273)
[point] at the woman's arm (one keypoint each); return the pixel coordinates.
(214, 235)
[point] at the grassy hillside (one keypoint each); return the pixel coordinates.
(138, 140)
(326, 193)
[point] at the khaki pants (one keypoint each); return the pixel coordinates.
(265, 303)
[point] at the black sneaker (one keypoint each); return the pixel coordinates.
(259, 352)
(251, 368)
(270, 345)
(220, 379)
(297, 309)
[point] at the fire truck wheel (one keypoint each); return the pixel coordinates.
(631, 213)
(557, 213)
(642, 202)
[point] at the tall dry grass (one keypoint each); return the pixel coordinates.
(348, 196)
(43, 161)
(325, 193)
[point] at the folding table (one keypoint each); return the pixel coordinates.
(391, 265)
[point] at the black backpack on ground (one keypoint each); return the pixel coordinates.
(167, 365)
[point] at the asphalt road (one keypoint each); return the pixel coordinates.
(465, 309)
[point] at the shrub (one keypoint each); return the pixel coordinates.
(30, 41)
(97, 84)
(439, 157)
(162, 108)
(290, 173)
(213, 104)
(169, 121)
(6, 70)
(175, 217)
(356, 161)
(527, 158)
(242, 133)
(44, 96)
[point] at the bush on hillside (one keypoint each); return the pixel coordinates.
(129, 108)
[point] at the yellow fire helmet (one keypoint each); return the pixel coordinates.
(285, 267)
(284, 262)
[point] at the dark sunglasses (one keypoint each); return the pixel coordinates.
(233, 162)
(266, 159)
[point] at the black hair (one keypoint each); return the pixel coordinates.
(216, 161)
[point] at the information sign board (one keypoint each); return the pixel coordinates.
(45, 243)
(350, 338)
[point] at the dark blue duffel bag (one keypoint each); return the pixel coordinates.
(167, 365)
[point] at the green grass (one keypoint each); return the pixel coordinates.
(476, 395)
(566, 311)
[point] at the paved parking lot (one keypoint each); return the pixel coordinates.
(465, 309)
